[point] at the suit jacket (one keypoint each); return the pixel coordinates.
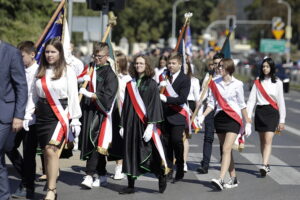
(181, 85)
(13, 85)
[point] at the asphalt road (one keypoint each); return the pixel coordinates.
(282, 183)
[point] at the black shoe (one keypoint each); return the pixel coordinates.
(162, 183)
(202, 170)
(127, 190)
(20, 193)
(179, 176)
(169, 176)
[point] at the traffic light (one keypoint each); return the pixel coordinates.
(231, 22)
(113, 4)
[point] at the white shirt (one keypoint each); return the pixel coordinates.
(76, 64)
(158, 73)
(64, 87)
(123, 79)
(194, 94)
(30, 73)
(232, 92)
(274, 90)
(174, 76)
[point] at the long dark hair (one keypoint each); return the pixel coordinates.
(272, 71)
(59, 66)
(149, 72)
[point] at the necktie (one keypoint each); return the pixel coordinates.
(170, 79)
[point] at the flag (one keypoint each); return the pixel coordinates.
(188, 40)
(66, 41)
(55, 30)
(181, 50)
(226, 46)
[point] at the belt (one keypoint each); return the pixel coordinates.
(62, 101)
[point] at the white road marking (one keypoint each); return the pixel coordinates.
(291, 130)
(294, 110)
(281, 172)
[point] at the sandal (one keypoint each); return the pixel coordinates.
(51, 190)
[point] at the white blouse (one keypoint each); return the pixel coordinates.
(232, 92)
(194, 94)
(123, 79)
(274, 90)
(64, 87)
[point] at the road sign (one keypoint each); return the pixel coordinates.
(272, 46)
(278, 34)
(277, 27)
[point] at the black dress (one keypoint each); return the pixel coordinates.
(140, 156)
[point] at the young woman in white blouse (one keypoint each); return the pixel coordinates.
(193, 98)
(57, 109)
(226, 93)
(267, 96)
(162, 66)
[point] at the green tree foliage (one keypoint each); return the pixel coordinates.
(24, 19)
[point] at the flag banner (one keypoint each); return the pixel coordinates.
(188, 41)
(226, 46)
(182, 51)
(54, 31)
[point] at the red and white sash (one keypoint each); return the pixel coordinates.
(62, 129)
(240, 141)
(84, 71)
(183, 109)
(265, 94)
(140, 109)
(105, 133)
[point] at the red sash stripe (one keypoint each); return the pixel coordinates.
(84, 72)
(223, 104)
(54, 108)
(265, 94)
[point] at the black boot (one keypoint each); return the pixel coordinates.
(130, 188)
(162, 183)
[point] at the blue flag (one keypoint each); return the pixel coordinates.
(54, 31)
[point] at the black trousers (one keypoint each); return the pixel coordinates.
(174, 145)
(25, 166)
(96, 164)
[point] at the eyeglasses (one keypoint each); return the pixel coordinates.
(221, 66)
(99, 56)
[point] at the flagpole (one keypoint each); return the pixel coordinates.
(58, 9)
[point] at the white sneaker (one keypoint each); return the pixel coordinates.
(87, 181)
(264, 170)
(75, 148)
(218, 183)
(185, 167)
(103, 181)
(118, 173)
(232, 183)
(96, 183)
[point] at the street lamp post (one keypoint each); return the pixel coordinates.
(288, 29)
(173, 37)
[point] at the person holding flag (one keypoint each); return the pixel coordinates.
(227, 95)
(56, 106)
(140, 126)
(98, 106)
(176, 112)
(267, 95)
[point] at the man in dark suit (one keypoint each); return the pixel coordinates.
(175, 123)
(13, 98)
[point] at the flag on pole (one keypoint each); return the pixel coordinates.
(188, 41)
(55, 30)
(181, 50)
(226, 46)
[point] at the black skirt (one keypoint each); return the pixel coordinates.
(46, 120)
(266, 118)
(224, 124)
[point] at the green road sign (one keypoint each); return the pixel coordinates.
(272, 46)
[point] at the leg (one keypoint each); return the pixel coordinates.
(130, 188)
(52, 166)
(118, 170)
(186, 149)
(226, 153)
(177, 143)
(266, 139)
(6, 144)
(101, 169)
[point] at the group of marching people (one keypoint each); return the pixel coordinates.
(139, 116)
